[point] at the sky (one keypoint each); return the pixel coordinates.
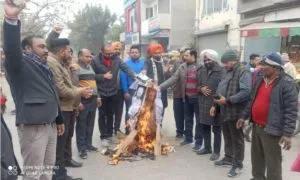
(115, 6)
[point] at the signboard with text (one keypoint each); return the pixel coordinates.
(154, 24)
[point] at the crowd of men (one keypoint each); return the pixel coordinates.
(54, 95)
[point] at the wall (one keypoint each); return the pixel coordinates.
(164, 6)
(145, 4)
(227, 18)
(183, 14)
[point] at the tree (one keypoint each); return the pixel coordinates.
(113, 34)
(90, 26)
(41, 14)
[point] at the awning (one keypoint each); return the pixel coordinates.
(271, 29)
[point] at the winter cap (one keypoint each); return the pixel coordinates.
(272, 59)
(230, 55)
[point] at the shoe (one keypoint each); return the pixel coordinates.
(197, 147)
(203, 152)
(224, 162)
(214, 157)
(72, 163)
(185, 142)
(92, 148)
(71, 178)
(104, 143)
(113, 140)
(179, 136)
(83, 155)
(234, 172)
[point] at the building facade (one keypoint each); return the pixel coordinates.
(270, 26)
(217, 25)
(168, 22)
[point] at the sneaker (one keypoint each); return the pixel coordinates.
(234, 172)
(224, 162)
(83, 155)
(197, 147)
(214, 156)
(113, 140)
(92, 148)
(185, 142)
(104, 143)
(204, 152)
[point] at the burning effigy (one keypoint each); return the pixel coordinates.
(145, 117)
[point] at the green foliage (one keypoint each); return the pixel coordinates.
(90, 26)
(113, 34)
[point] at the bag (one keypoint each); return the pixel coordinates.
(296, 165)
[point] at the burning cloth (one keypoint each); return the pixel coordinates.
(145, 117)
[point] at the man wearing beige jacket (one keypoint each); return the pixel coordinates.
(57, 60)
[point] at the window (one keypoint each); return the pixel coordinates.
(212, 6)
(151, 12)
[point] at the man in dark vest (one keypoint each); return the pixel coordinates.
(233, 94)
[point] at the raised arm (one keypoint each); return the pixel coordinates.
(12, 35)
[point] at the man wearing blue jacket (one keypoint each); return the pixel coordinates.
(136, 64)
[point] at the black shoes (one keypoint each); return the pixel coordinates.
(83, 155)
(234, 172)
(73, 164)
(179, 136)
(185, 142)
(92, 148)
(204, 152)
(214, 156)
(197, 147)
(224, 162)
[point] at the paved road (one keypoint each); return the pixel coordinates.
(181, 165)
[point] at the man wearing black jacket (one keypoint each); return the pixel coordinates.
(38, 117)
(106, 66)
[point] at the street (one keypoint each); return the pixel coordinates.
(182, 164)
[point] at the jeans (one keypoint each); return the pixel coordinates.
(178, 108)
(191, 109)
(106, 116)
(85, 126)
(207, 137)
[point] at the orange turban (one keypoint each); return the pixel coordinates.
(153, 48)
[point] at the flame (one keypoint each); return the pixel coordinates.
(146, 127)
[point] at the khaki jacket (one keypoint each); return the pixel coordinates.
(66, 90)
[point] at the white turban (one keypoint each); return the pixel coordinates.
(210, 54)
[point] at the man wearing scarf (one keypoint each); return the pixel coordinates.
(156, 69)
